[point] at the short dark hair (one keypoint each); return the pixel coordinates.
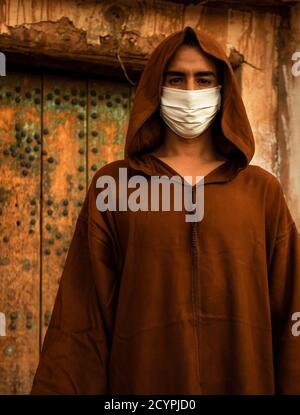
(190, 39)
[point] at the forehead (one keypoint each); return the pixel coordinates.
(190, 57)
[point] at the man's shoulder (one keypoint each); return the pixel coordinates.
(262, 177)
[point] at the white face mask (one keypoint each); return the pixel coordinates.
(189, 112)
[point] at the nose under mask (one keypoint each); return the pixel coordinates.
(189, 112)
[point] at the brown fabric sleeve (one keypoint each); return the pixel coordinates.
(76, 348)
(284, 285)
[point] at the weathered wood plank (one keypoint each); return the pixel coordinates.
(64, 177)
(108, 114)
(252, 3)
(91, 34)
(20, 115)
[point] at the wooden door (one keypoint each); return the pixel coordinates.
(55, 133)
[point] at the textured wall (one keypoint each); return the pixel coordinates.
(292, 137)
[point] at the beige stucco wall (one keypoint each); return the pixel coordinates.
(293, 138)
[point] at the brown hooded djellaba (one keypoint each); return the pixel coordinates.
(149, 303)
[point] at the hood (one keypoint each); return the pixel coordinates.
(232, 132)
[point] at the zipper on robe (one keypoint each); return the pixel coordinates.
(195, 291)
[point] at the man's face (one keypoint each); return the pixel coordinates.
(190, 68)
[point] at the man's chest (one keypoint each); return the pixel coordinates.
(190, 170)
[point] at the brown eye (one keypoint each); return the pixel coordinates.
(175, 80)
(204, 81)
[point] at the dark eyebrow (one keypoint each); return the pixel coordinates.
(200, 73)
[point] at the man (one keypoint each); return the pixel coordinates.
(190, 69)
(149, 303)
